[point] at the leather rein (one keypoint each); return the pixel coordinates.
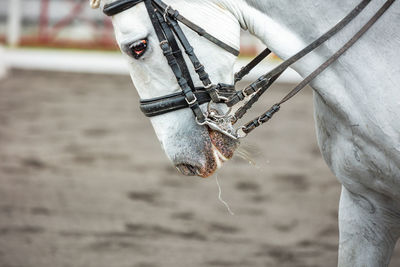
(165, 22)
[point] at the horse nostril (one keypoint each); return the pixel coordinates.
(187, 169)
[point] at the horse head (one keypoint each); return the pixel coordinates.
(194, 149)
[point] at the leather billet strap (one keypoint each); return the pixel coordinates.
(165, 36)
(198, 67)
(176, 51)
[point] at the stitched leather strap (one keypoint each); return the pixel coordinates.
(176, 51)
(198, 67)
(176, 101)
(116, 7)
(157, 106)
(200, 31)
(162, 28)
(251, 65)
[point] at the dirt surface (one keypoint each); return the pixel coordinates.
(84, 182)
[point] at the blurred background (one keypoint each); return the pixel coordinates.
(84, 182)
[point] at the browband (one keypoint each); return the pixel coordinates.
(116, 7)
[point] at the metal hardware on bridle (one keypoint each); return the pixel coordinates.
(166, 12)
(214, 113)
(165, 22)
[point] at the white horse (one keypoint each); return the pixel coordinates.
(357, 101)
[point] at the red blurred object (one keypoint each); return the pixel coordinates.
(48, 32)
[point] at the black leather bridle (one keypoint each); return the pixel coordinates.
(165, 22)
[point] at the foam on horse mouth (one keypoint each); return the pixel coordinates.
(218, 156)
(224, 145)
(218, 149)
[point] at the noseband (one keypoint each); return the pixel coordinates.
(166, 20)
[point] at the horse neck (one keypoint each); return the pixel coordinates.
(355, 86)
(288, 26)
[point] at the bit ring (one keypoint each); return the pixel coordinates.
(218, 116)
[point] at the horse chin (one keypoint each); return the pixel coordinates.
(219, 149)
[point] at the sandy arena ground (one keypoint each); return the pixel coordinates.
(84, 182)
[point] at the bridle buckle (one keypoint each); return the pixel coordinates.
(208, 86)
(245, 94)
(165, 14)
(191, 102)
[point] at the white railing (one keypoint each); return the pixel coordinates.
(104, 63)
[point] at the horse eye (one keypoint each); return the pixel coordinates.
(137, 49)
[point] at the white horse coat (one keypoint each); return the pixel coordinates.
(357, 99)
(357, 105)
